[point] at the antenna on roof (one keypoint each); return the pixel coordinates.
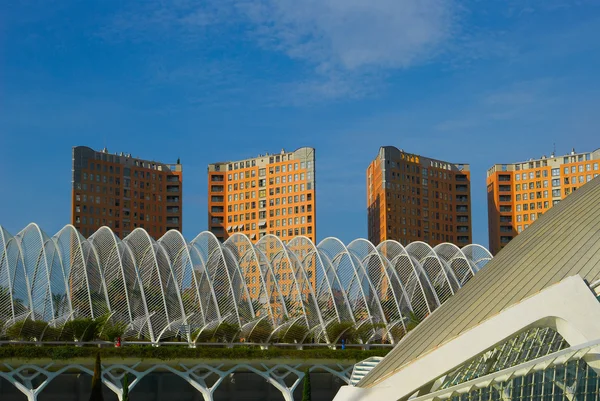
(554, 149)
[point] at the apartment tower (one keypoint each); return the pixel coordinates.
(124, 192)
(415, 198)
(268, 194)
(519, 193)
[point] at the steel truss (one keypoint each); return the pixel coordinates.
(234, 291)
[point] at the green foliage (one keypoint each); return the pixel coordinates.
(225, 332)
(27, 330)
(412, 321)
(261, 332)
(125, 388)
(339, 330)
(296, 333)
(306, 396)
(165, 353)
(112, 330)
(82, 329)
(363, 333)
(97, 381)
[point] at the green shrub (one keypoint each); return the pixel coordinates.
(166, 353)
(81, 329)
(27, 330)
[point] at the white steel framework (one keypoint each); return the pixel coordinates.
(205, 290)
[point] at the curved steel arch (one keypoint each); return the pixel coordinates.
(171, 287)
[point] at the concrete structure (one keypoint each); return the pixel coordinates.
(38, 380)
(124, 192)
(269, 194)
(415, 198)
(519, 193)
(524, 327)
(227, 292)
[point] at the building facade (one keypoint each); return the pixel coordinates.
(124, 192)
(268, 194)
(415, 198)
(519, 193)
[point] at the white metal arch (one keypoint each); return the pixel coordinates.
(162, 288)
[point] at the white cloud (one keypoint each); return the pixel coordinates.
(353, 34)
(329, 34)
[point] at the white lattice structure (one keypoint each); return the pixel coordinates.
(269, 292)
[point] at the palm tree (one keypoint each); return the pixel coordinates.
(306, 396)
(125, 388)
(97, 381)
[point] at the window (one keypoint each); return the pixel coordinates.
(555, 172)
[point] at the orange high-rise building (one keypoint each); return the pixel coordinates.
(415, 198)
(268, 194)
(519, 193)
(124, 192)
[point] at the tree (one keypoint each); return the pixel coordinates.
(125, 388)
(97, 381)
(306, 390)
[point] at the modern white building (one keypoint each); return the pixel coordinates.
(527, 327)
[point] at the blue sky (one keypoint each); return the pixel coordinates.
(477, 82)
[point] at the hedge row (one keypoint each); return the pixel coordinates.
(170, 353)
